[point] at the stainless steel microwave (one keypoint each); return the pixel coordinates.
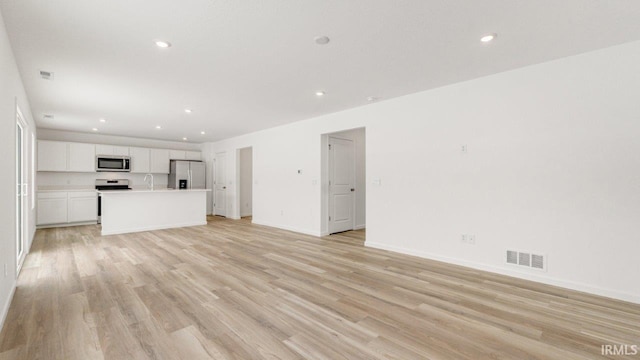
(113, 163)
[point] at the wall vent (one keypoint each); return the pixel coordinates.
(526, 259)
(46, 75)
(537, 261)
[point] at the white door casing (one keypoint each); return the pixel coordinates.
(341, 185)
(220, 184)
(21, 190)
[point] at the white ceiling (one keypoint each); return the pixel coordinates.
(253, 64)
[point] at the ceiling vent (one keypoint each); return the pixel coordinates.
(47, 117)
(526, 259)
(46, 75)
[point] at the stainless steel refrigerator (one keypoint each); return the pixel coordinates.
(187, 174)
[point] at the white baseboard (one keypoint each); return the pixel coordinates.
(615, 294)
(359, 227)
(298, 230)
(5, 308)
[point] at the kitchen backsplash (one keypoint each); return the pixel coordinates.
(82, 180)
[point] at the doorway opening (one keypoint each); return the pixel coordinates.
(245, 171)
(220, 184)
(21, 189)
(344, 181)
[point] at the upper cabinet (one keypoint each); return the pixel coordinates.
(82, 157)
(184, 155)
(177, 154)
(52, 156)
(193, 155)
(140, 160)
(159, 161)
(78, 157)
(62, 156)
(112, 150)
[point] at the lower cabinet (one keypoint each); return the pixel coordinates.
(61, 207)
(52, 208)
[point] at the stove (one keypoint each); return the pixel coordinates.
(115, 184)
(107, 185)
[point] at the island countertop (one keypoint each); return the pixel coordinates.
(134, 191)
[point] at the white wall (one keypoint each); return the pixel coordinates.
(11, 94)
(246, 181)
(94, 138)
(552, 166)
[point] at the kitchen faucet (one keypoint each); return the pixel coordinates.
(151, 183)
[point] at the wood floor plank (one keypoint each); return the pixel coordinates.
(233, 290)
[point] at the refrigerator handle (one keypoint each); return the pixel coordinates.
(190, 186)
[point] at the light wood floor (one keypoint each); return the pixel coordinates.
(232, 290)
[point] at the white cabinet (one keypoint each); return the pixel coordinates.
(184, 155)
(112, 150)
(78, 157)
(52, 156)
(64, 156)
(82, 157)
(140, 160)
(52, 208)
(177, 154)
(193, 155)
(62, 207)
(159, 161)
(82, 206)
(121, 150)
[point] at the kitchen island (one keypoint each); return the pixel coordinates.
(128, 211)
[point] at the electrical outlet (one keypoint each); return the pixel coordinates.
(468, 239)
(464, 149)
(281, 212)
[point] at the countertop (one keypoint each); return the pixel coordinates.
(64, 189)
(137, 191)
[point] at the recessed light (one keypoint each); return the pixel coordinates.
(321, 40)
(163, 44)
(103, 120)
(202, 132)
(94, 129)
(188, 111)
(487, 38)
(184, 139)
(158, 127)
(320, 93)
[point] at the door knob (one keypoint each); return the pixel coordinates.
(352, 189)
(224, 188)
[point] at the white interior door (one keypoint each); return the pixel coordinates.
(220, 185)
(341, 185)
